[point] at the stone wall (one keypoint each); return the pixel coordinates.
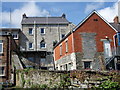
(31, 78)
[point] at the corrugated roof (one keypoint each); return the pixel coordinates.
(44, 20)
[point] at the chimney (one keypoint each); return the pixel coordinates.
(116, 20)
(24, 15)
(63, 15)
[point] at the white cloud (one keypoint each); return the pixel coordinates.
(93, 6)
(109, 12)
(30, 8)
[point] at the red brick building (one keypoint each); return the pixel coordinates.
(88, 46)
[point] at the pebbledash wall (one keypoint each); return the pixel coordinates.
(86, 47)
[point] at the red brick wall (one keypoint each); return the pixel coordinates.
(90, 26)
(70, 48)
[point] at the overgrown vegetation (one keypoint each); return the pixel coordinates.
(109, 84)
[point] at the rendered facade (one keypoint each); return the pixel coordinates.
(39, 35)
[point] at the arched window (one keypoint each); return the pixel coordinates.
(42, 44)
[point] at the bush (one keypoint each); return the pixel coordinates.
(109, 84)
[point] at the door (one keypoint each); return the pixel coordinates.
(107, 49)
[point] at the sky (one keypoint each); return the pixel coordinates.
(75, 11)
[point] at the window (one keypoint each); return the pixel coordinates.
(15, 35)
(2, 71)
(87, 65)
(42, 45)
(42, 31)
(60, 50)
(30, 31)
(30, 45)
(1, 47)
(66, 44)
(63, 35)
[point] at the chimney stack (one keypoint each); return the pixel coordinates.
(63, 15)
(24, 15)
(116, 20)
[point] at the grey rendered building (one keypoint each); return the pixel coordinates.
(39, 35)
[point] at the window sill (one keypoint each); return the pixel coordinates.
(31, 49)
(2, 75)
(42, 34)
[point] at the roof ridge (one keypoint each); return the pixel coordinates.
(44, 17)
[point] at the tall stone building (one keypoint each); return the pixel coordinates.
(39, 35)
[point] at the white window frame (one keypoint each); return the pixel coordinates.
(29, 32)
(29, 44)
(41, 43)
(15, 33)
(60, 50)
(2, 48)
(66, 46)
(3, 71)
(41, 29)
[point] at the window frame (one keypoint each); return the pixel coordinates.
(89, 65)
(66, 46)
(29, 31)
(42, 43)
(2, 48)
(41, 31)
(60, 50)
(3, 74)
(29, 45)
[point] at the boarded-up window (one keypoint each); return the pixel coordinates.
(88, 45)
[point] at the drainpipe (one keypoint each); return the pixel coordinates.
(115, 60)
(114, 40)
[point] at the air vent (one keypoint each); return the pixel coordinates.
(95, 19)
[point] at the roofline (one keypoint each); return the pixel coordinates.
(45, 23)
(94, 11)
(62, 39)
(10, 29)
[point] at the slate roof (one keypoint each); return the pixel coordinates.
(44, 20)
(116, 26)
